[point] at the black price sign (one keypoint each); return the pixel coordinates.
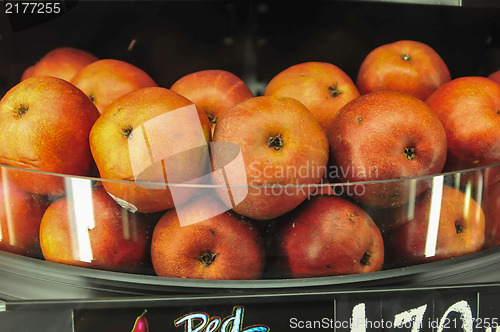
(414, 310)
(26, 14)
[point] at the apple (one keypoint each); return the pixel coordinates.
(95, 233)
(495, 76)
(329, 235)
(322, 87)
(44, 126)
(405, 66)
(105, 80)
(63, 62)
(148, 139)
(221, 245)
(458, 229)
(284, 151)
(382, 136)
(469, 109)
(20, 216)
(213, 91)
(491, 209)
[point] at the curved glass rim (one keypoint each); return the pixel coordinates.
(214, 186)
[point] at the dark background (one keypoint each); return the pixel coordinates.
(253, 39)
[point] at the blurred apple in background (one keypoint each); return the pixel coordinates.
(468, 108)
(446, 223)
(213, 91)
(44, 126)
(63, 62)
(328, 236)
(222, 245)
(90, 229)
(106, 80)
(405, 66)
(381, 136)
(20, 216)
(495, 76)
(283, 148)
(322, 87)
(150, 138)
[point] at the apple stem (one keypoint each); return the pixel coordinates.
(207, 258)
(410, 153)
(212, 119)
(405, 57)
(21, 110)
(458, 227)
(275, 142)
(334, 90)
(365, 260)
(92, 97)
(127, 132)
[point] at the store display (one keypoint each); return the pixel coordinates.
(219, 166)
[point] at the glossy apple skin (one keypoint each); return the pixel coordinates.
(327, 236)
(177, 250)
(119, 240)
(116, 154)
(213, 91)
(322, 87)
(277, 177)
(20, 216)
(52, 135)
(369, 141)
(468, 109)
(106, 80)
(460, 230)
(491, 208)
(63, 63)
(387, 68)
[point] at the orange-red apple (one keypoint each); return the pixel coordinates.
(213, 91)
(106, 80)
(222, 245)
(92, 230)
(328, 236)
(469, 109)
(149, 139)
(322, 87)
(20, 216)
(44, 126)
(406, 66)
(386, 135)
(63, 62)
(445, 223)
(283, 151)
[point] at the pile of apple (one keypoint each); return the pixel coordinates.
(320, 176)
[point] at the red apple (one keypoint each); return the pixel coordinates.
(381, 136)
(469, 109)
(106, 80)
(149, 139)
(283, 151)
(322, 87)
(63, 62)
(95, 233)
(221, 245)
(491, 209)
(20, 216)
(213, 91)
(456, 228)
(495, 76)
(328, 236)
(404, 66)
(44, 126)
